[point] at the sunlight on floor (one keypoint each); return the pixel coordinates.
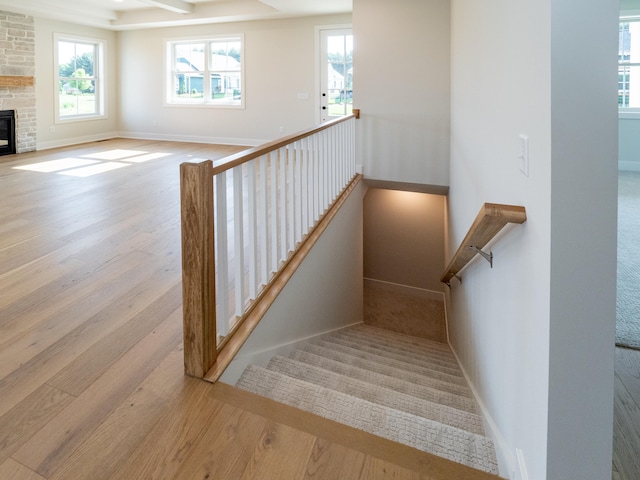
(93, 163)
(57, 165)
(94, 169)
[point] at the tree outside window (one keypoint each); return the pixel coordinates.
(79, 81)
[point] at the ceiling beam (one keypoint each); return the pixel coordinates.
(178, 6)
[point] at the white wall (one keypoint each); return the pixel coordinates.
(324, 294)
(280, 62)
(584, 44)
(401, 85)
(404, 238)
(499, 317)
(535, 333)
(49, 134)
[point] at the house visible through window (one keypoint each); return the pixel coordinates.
(629, 64)
(207, 72)
(79, 72)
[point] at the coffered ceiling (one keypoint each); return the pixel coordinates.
(130, 14)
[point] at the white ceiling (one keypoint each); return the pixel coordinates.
(130, 14)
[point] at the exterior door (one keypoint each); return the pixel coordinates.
(336, 73)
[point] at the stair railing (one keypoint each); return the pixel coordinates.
(490, 220)
(243, 218)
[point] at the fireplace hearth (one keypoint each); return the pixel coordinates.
(7, 132)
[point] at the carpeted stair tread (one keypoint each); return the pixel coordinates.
(377, 394)
(405, 364)
(391, 380)
(401, 338)
(389, 368)
(448, 442)
(392, 353)
(436, 358)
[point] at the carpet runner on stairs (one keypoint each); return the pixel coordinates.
(406, 389)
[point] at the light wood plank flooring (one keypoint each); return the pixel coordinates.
(91, 366)
(626, 415)
(91, 375)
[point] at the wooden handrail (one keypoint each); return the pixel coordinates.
(245, 156)
(490, 220)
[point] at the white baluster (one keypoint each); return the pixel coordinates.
(252, 234)
(222, 255)
(238, 234)
(263, 221)
(273, 215)
(282, 209)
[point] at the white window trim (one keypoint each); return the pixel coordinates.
(317, 61)
(168, 69)
(98, 71)
(626, 113)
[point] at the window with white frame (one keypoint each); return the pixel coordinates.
(629, 64)
(206, 71)
(79, 76)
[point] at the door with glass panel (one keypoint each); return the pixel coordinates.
(336, 73)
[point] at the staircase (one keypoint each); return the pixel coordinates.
(406, 389)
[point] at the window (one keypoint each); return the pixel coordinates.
(79, 74)
(629, 64)
(206, 72)
(336, 71)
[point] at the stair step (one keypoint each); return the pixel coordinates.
(377, 394)
(401, 339)
(443, 440)
(443, 359)
(372, 355)
(390, 352)
(396, 369)
(393, 382)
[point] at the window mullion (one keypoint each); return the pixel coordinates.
(207, 74)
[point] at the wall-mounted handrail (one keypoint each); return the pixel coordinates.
(490, 220)
(243, 220)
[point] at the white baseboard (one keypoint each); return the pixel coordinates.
(509, 466)
(261, 358)
(66, 142)
(416, 291)
(249, 142)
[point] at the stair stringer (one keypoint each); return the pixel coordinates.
(261, 358)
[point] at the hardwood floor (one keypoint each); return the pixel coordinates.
(626, 413)
(91, 365)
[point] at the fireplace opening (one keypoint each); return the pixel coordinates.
(7, 132)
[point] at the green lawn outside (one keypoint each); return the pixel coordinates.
(82, 104)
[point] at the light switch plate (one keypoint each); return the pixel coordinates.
(523, 157)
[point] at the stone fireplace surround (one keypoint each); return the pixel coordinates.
(17, 68)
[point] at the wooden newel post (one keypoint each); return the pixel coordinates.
(198, 278)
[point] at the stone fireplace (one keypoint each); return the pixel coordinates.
(17, 69)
